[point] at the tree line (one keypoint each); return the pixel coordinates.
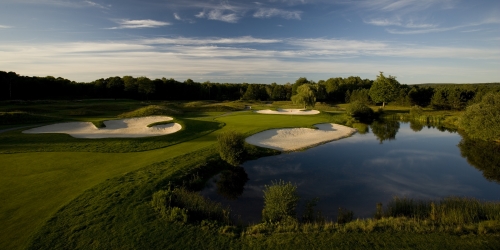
(333, 90)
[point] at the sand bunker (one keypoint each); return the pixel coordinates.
(125, 128)
(298, 138)
(288, 112)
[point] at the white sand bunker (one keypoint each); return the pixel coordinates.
(288, 112)
(298, 138)
(125, 128)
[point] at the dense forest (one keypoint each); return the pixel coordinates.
(333, 90)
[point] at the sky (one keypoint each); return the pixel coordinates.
(265, 41)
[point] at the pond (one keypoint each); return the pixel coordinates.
(391, 159)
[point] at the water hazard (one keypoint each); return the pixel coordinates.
(392, 159)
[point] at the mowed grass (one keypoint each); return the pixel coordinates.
(35, 185)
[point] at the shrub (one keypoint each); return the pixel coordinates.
(416, 111)
(482, 120)
(359, 110)
(280, 201)
(181, 205)
(231, 147)
(344, 216)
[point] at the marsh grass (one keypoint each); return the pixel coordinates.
(449, 211)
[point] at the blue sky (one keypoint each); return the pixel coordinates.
(264, 41)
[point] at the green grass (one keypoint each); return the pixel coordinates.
(68, 199)
(161, 123)
(17, 142)
(34, 185)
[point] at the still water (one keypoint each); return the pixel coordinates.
(393, 159)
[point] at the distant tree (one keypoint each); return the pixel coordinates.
(384, 89)
(299, 82)
(231, 147)
(130, 84)
(280, 201)
(360, 95)
(145, 86)
(439, 99)
(306, 95)
(252, 92)
(482, 120)
(321, 90)
(115, 86)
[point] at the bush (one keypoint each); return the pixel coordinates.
(359, 110)
(280, 201)
(482, 120)
(416, 111)
(181, 205)
(231, 147)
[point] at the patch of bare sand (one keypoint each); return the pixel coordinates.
(290, 139)
(288, 112)
(124, 128)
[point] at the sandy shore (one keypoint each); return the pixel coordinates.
(298, 138)
(125, 128)
(288, 112)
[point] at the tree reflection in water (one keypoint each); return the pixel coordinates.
(231, 183)
(483, 155)
(385, 130)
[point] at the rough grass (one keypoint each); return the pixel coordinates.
(151, 110)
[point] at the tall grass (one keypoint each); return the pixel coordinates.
(451, 210)
(179, 204)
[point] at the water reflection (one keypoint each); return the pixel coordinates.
(483, 155)
(416, 126)
(385, 130)
(358, 172)
(231, 183)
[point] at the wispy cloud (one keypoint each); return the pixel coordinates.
(209, 41)
(405, 6)
(409, 24)
(272, 12)
(240, 57)
(5, 27)
(137, 24)
(219, 15)
(291, 2)
(177, 17)
(443, 29)
(94, 4)
(64, 3)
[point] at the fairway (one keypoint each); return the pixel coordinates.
(34, 185)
